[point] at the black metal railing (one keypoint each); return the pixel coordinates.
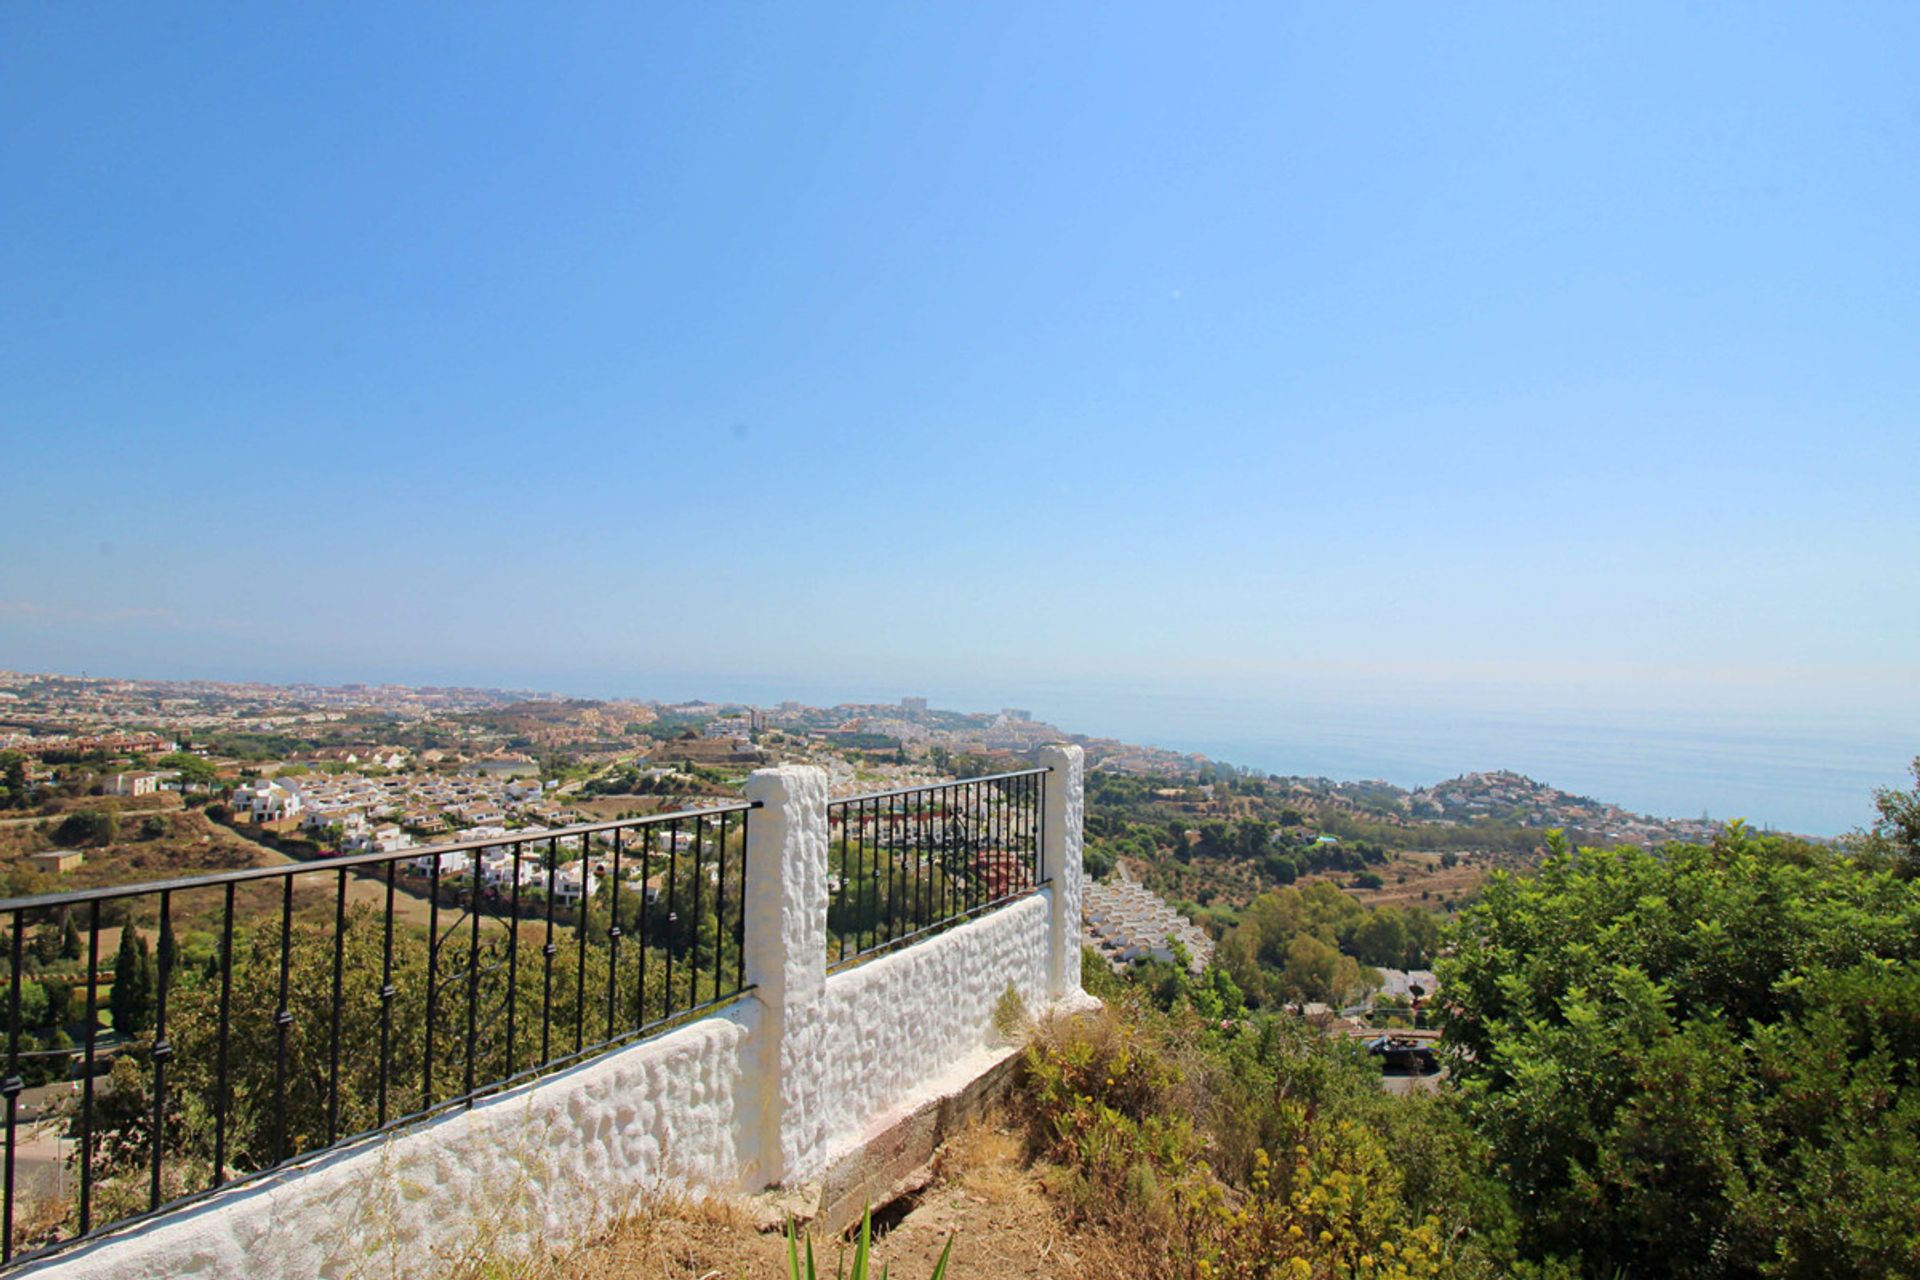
(903, 864)
(259, 1016)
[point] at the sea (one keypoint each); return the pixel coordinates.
(1801, 770)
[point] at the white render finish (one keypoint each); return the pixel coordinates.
(1064, 798)
(766, 1092)
(896, 1024)
(787, 958)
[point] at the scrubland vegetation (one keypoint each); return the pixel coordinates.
(1702, 1061)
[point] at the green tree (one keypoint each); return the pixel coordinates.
(194, 770)
(45, 945)
(88, 827)
(1895, 834)
(1703, 1062)
(134, 984)
(59, 998)
(15, 791)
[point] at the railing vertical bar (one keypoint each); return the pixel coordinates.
(546, 958)
(221, 1102)
(720, 910)
(580, 937)
(892, 828)
(1026, 839)
(838, 937)
(923, 854)
(1040, 837)
(1028, 845)
(1009, 815)
(869, 873)
(1026, 833)
(433, 982)
(944, 839)
(963, 831)
(982, 846)
(693, 948)
(473, 980)
(12, 1085)
(93, 1028)
(333, 1032)
(1003, 811)
(883, 925)
(673, 874)
(870, 825)
(1038, 823)
(161, 1050)
(283, 1022)
(513, 954)
(613, 934)
(646, 878)
(740, 920)
(387, 994)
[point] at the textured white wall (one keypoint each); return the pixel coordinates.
(897, 1024)
(787, 958)
(1063, 833)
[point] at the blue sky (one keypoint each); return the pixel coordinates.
(1494, 354)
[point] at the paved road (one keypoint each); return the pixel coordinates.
(1404, 1082)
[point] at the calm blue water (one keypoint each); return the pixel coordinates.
(1794, 771)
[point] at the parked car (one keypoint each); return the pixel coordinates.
(1405, 1053)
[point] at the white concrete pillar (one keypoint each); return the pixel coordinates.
(786, 908)
(1064, 808)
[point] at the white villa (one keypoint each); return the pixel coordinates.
(386, 838)
(267, 800)
(567, 883)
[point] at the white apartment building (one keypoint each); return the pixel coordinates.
(267, 800)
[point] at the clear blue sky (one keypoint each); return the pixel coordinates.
(1567, 352)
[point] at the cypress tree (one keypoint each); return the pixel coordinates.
(131, 1001)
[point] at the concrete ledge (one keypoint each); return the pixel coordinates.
(898, 1158)
(895, 1154)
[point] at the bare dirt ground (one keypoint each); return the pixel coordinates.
(984, 1195)
(1415, 879)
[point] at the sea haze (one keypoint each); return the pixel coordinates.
(1792, 770)
(1799, 772)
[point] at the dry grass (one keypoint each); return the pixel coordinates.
(986, 1194)
(1422, 874)
(672, 1238)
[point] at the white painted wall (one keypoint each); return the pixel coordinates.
(765, 1092)
(895, 1025)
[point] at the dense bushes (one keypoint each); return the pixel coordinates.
(1257, 1149)
(1700, 1062)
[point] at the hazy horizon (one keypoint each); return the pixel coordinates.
(1807, 772)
